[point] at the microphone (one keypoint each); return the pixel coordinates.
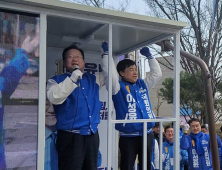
(76, 67)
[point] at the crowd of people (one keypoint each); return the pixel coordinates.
(74, 103)
(195, 148)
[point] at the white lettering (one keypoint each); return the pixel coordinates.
(206, 154)
(131, 107)
(195, 159)
(129, 98)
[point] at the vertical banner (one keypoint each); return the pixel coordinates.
(19, 64)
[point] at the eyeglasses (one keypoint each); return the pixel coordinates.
(75, 57)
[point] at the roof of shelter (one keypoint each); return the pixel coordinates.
(86, 26)
(100, 12)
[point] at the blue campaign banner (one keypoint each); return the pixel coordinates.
(19, 77)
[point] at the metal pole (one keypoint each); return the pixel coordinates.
(145, 146)
(109, 130)
(209, 101)
(176, 101)
(161, 144)
(42, 89)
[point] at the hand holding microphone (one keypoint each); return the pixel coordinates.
(76, 74)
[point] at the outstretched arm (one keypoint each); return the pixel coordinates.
(17, 67)
(155, 72)
(104, 65)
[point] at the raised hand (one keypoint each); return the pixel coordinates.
(146, 52)
(186, 127)
(104, 48)
(30, 45)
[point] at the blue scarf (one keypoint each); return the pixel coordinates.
(167, 141)
(198, 144)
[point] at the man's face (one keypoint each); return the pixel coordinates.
(73, 57)
(169, 134)
(50, 119)
(156, 129)
(195, 127)
(204, 130)
(130, 74)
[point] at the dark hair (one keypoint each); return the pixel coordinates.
(157, 124)
(193, 120)
(167, 127)
(221, 128)
(126, 63)
(203, 126)
(72, 47)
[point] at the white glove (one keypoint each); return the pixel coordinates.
(206, 125)
(30, 45)
(76, 75)
(186, 127)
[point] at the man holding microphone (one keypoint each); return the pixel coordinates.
(75, 98)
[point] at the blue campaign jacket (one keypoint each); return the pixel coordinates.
(132, 102)
(85, 117)
(195, 161)
(220, 157)
(155, 155)
(168, 157)
(11, 74)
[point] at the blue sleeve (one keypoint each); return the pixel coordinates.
(99, 162)
(218, 142)
(184, 156)
(184, 143)
(220, 157)
(13, 72)
(219, 153)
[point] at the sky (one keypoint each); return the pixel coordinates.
(136, 6)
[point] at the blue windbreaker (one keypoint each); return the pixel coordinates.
(168, 157)
(80, 111)
(132, 102)
(195, 161)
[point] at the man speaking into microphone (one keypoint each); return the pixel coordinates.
(75, 97)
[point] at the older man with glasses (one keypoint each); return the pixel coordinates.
(75, 98)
